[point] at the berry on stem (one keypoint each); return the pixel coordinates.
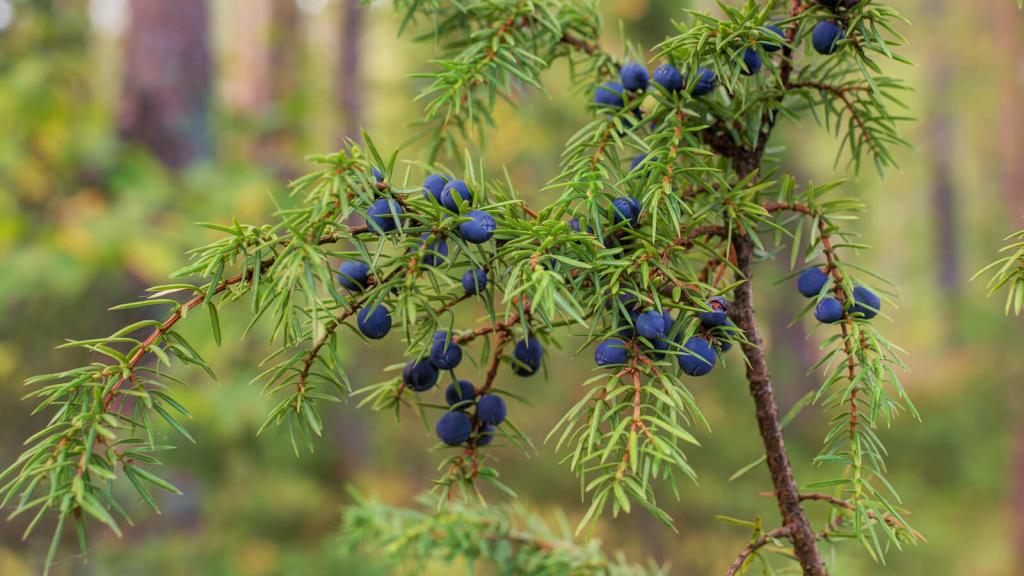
(751, 62)
(433, 186)
(459, 393)
(829, 311)
(698, 357)
(527, 354)
(866, 302)
(436, 251)
(474, 280)
(491, 409)
(609, 94)
(454, 428)
(419, 375)
(479, 228)
(377, 175)
(811, 281)
(626, 208)
(719, 313)
(773, 46)
(352, 275)
(383, 214)
(634, 76)
(611, 351)
(445, 354)
(450, 190)
(374, 321)
(826, 36)
(706, 82)
(668, 77)
(650, 325)
(486, 435)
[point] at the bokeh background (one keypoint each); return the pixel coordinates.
(123, 122)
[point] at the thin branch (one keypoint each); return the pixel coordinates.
(741, 559)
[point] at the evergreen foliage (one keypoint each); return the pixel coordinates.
(622, 247)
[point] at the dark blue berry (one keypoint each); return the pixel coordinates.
(527, 354)
(611, 351)
(626, 209)
(433, 186)
(352, 274)
(486, 436)
(383, 215)
(490, 409)
(445, 354)
(627, 301)
(811, 281)
(669, 77)
(723, 334)
(454, 428)
(829, 310)
(374, 321)
(609, 94)
(751, 62)
(718, 315)
(650, 325)
(666, 315)
(661, 347)
(479, 228)
(378, 175)
(436, 251)
(634, 76)
(826, 36)
(698, 357)
(706, 82)
(474, 281)
(459, 392)
(637, 160)
(866, 302)
(773, 46)
(419, 375)
(450, 190)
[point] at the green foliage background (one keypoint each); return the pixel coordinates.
(86, 222)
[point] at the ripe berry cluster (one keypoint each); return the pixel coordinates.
(655, 334)
(474, 414)
(385, 215)
(829, 310)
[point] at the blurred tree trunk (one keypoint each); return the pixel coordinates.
(349, 83)
(166, 83)
(285, 50)
(939, 127)
(1008, 25)
(348, 91)
(943, 206)
(1006, 21)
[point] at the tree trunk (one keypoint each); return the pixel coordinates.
(1006, 23)
(350, 81)
(166, 84)
(285, 50)
(944, 214)
(805, 545)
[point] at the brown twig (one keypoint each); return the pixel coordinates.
(754, 546)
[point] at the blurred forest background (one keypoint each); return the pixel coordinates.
(123, 122)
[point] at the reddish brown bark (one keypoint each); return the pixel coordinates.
(794, 520)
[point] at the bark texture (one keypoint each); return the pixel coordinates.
(794, 519)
